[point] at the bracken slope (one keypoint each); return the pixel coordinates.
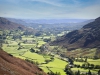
(10, 65)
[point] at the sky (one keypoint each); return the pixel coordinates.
(50, 9)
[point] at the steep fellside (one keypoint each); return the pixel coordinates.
(10, 65)
(8, 25)
(86, 37)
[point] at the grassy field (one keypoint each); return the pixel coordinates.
(91, 61)
(13, 50)
(84, 70)
(95, 62)
(34, 56)
(56, 66)
(25, 38)
(78, 63)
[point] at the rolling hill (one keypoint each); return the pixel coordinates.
(86, 37)
(10, 65)
(8, 25)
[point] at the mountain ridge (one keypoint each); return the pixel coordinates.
(86, 37)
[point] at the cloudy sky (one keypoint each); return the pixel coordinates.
(50, 9)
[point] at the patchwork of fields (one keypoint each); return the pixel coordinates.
(12, 47)
(21, 49)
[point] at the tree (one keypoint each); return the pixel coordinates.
(47, 61)
(19, 43)
(37, 44)
(99, 72)
(96, 57)
(77, 73)
(85, 59)
(46, 40)
(68, 70)
(0, 44)
(83, 65)
(38, 33)
(92, 66)
(89, 72)
(71, 61)
(97, 67)
(32, 50)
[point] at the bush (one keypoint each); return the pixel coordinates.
(46, 40)
(32, 50)
(97, 67)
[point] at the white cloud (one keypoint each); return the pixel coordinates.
(51, 2)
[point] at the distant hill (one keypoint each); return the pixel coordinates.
(86, 37)
(69, 24)
(53, 21)
(19, 21)
(10, 65)
(6, 24)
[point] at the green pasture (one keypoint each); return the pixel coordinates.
(46, 37)
(91, 61)
(40, 43)
(56, 63)
(58, 70)
(25, 38)
(44, 69)
(20, 57)
(56, 66)
(84, 70)
(47, 57)
(78, 63)
(95, 62)
(12, 42)
(13, 49)
(34, 56)
(25, 44)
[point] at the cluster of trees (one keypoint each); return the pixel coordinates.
(81, 60)
(47, 61)
(87, 66)
(52, 73)
(47, 40)
(70, 72)
(30, 61)
(32, 50)
(39, 33)
(17, 37)
(28, 33)
(90, 66)
(2, 37)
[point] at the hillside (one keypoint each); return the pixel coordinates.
(10, 65)
(86, 37)
(19, 21)
(6, 24)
